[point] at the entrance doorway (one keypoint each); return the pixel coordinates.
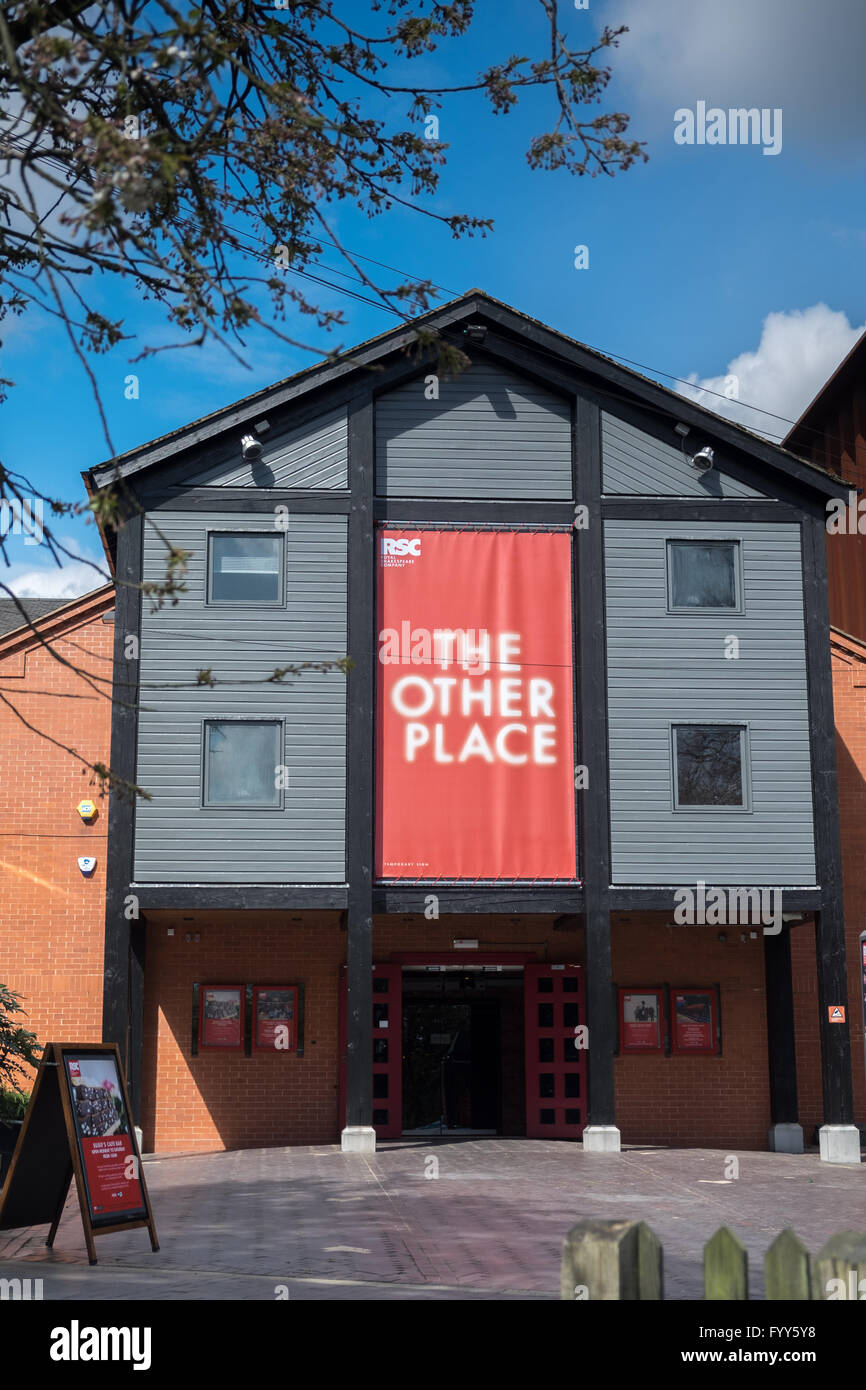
(462, 1039)
(489, 1047)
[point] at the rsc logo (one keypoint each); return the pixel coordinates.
(401, 546)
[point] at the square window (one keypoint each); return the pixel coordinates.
(245, 568)
(710, 765)
(241, 757)
(703, 574)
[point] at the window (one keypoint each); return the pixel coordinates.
(241, 758)
(245, 568)
(703, 574)
(710, 763)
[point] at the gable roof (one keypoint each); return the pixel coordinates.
(11, 616)
(850, 373)
(602, 373)
(56, 617)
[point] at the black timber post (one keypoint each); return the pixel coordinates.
(781, 1038)
(830, 921)
(123, 986)
(594, 801)
(360, 768)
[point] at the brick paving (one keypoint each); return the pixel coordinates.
(332, 1226)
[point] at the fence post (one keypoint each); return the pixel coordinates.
(726, 1268)
(787, 1270)
(612, 1260)
(839, 1270)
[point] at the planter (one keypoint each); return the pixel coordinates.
(9, 1132)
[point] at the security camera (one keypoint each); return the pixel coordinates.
(251, 447)
(703, 459)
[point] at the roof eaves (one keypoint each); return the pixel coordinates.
(279, 392)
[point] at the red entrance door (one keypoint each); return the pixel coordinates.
(387, 1050)
(555, 1067)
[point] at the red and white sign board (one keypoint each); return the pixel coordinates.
(475, 749)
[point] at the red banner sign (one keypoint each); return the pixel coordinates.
(475, 760)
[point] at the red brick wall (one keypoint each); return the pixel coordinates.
(231, 1101)
(849, 697)
(707, 1102)
(52, 919)
(225, 1100)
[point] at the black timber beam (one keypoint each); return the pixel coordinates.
(594, 803)
(505, 901)
(761, 509)
(360, 786)
(241, 897)
(123, 966)
(663, 897)
(781, 1032)
(830, 921)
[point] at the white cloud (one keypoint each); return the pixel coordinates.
(807, 59)
(48, 581)
(798, 351)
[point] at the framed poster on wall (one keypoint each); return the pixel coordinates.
(275, 1018)
(221, 1017)
(694, 1020)
(641, 1019)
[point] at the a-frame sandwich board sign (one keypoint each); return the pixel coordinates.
(78, 1124)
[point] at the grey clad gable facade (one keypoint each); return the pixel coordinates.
(537, 431)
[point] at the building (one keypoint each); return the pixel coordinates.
(832, 434)
(55, 696)
(588, 784)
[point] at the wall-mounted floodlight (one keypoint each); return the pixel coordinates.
(703, 459)
(251, 448)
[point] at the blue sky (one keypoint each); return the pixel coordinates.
(708, 261)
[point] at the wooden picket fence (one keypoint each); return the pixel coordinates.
(619, 1260)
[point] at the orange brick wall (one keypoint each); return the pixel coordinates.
(51, 917)
(227, 1100)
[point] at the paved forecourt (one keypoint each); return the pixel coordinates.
(429, 1219)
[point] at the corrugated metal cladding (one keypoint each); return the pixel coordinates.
(638, 465)
(665, 667)
(313, 455)
(176, 839)
(490, 434)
